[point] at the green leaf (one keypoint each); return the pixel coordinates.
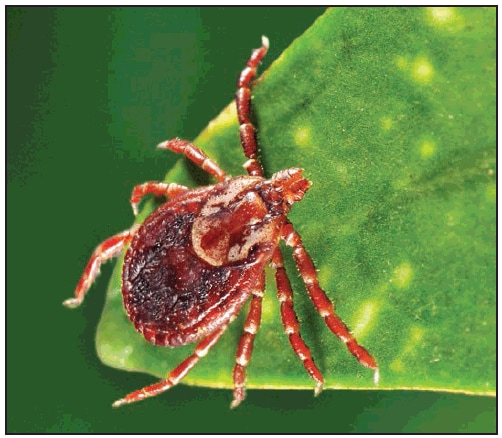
(391, 112)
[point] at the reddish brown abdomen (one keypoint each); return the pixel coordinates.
(171, 295)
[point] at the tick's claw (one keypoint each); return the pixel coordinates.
(318, 389)
(120, 402)
(376, 376)
(264, 41)
(71, 303)
(239, 395)
(235, 403)
(163, 144)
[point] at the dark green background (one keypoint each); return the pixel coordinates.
(90, 93)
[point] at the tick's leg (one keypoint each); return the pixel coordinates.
(175, 375)
(243, 102)
(245, 348)
(290, 320)
(321, 301)
(193, 153)
(154, 188)
(110, 248)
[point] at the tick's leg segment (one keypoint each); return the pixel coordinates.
(175, 375)
(154, 188)
(110, 248)
(290, 320)
(243, 102)
(193, 153)
(321, 301)
(245, 349)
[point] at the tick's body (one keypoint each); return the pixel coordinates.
(195, 260)
(200, 256)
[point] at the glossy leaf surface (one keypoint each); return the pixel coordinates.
(391, 112)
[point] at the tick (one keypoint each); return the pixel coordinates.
(193, 263)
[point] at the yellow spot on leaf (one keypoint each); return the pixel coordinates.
(397, 366)
(441, 15)
(402, 275)
(387, 123)
(415, 335)
(324, 274)
(446, 18)
(427, 149)
(302, 136)
(422, 70)
(365, 317)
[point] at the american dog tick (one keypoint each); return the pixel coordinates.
(197, 259)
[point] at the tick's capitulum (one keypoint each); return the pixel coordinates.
(200, 256)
